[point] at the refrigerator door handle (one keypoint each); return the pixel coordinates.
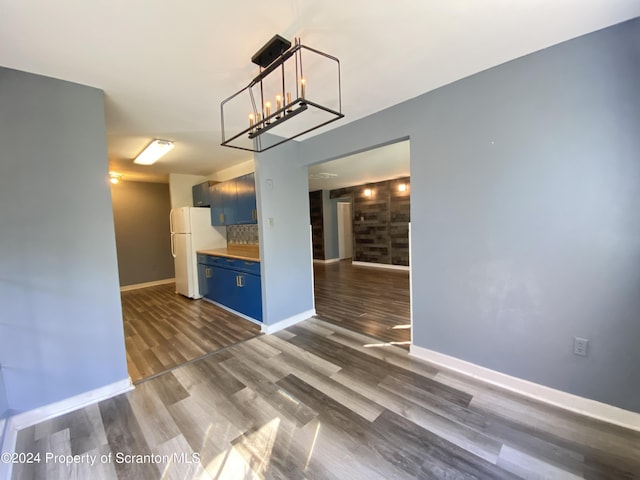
(173, 248)
(171, 224)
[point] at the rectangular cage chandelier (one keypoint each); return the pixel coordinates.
(296, 91)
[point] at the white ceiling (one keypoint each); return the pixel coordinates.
(383, 163)
(165, 66)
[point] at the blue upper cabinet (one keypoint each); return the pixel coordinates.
(201, 194)
(230, 202)
(246, 188)
(216, 197)
(234, 202)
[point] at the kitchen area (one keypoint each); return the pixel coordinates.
(215, 299)
(215, 246)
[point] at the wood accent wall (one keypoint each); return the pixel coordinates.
(380, 221)
(317, 230)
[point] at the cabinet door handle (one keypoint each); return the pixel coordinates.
(207, 272)
(239, 281)
(254, 214)
(222, 218)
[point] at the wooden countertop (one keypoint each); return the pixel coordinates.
(241, 252)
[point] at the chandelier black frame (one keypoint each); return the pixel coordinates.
(272, 58)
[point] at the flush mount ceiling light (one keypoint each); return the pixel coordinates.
(153, 152)
(283, 99)
(322, 176)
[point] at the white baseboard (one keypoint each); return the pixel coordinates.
(381, 265)
(231, 310)
(330, 260)
(558, 398)
(26, 419)
(287, 322)
(147, 284)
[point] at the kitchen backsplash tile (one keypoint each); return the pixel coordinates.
(242, 234)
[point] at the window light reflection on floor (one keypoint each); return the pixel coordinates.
(249, 458)
(313, 445)
(401, 327)
(385, 344)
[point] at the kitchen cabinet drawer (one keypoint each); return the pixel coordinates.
(239, 265)
(206, 259)
(246, 266)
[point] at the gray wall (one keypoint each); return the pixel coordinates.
(143, 241)
(525, 189)
(61, 332)
(4, 405)
(285, 247)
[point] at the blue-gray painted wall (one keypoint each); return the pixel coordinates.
(285, 242)
(525, 189)
(61, 332)
(4, 405)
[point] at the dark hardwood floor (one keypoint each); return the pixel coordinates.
(163, 329)
(313, 401)
(368, 300)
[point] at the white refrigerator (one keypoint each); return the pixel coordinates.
(191, 231)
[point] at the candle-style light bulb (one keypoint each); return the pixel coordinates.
(258, 122)
(303, 88)
(267, 111)
(252, 120)
(278, 106)
(289, 102)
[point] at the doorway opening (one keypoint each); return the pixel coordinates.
(360, 214)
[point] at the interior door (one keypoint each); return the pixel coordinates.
(345, 231)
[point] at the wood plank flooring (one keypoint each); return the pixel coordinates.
(313, 401)
(369, 300)
(163, 329)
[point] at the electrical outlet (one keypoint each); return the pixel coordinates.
(580, 346)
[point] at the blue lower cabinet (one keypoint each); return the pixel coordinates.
(250, 297)
(204, 271)
(236, 289)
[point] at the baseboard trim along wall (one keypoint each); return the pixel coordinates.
(558, 398)
(381, 265)
(147, 284)
(330, 260)
(287, 322)
(26, 419)
(231, 310)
